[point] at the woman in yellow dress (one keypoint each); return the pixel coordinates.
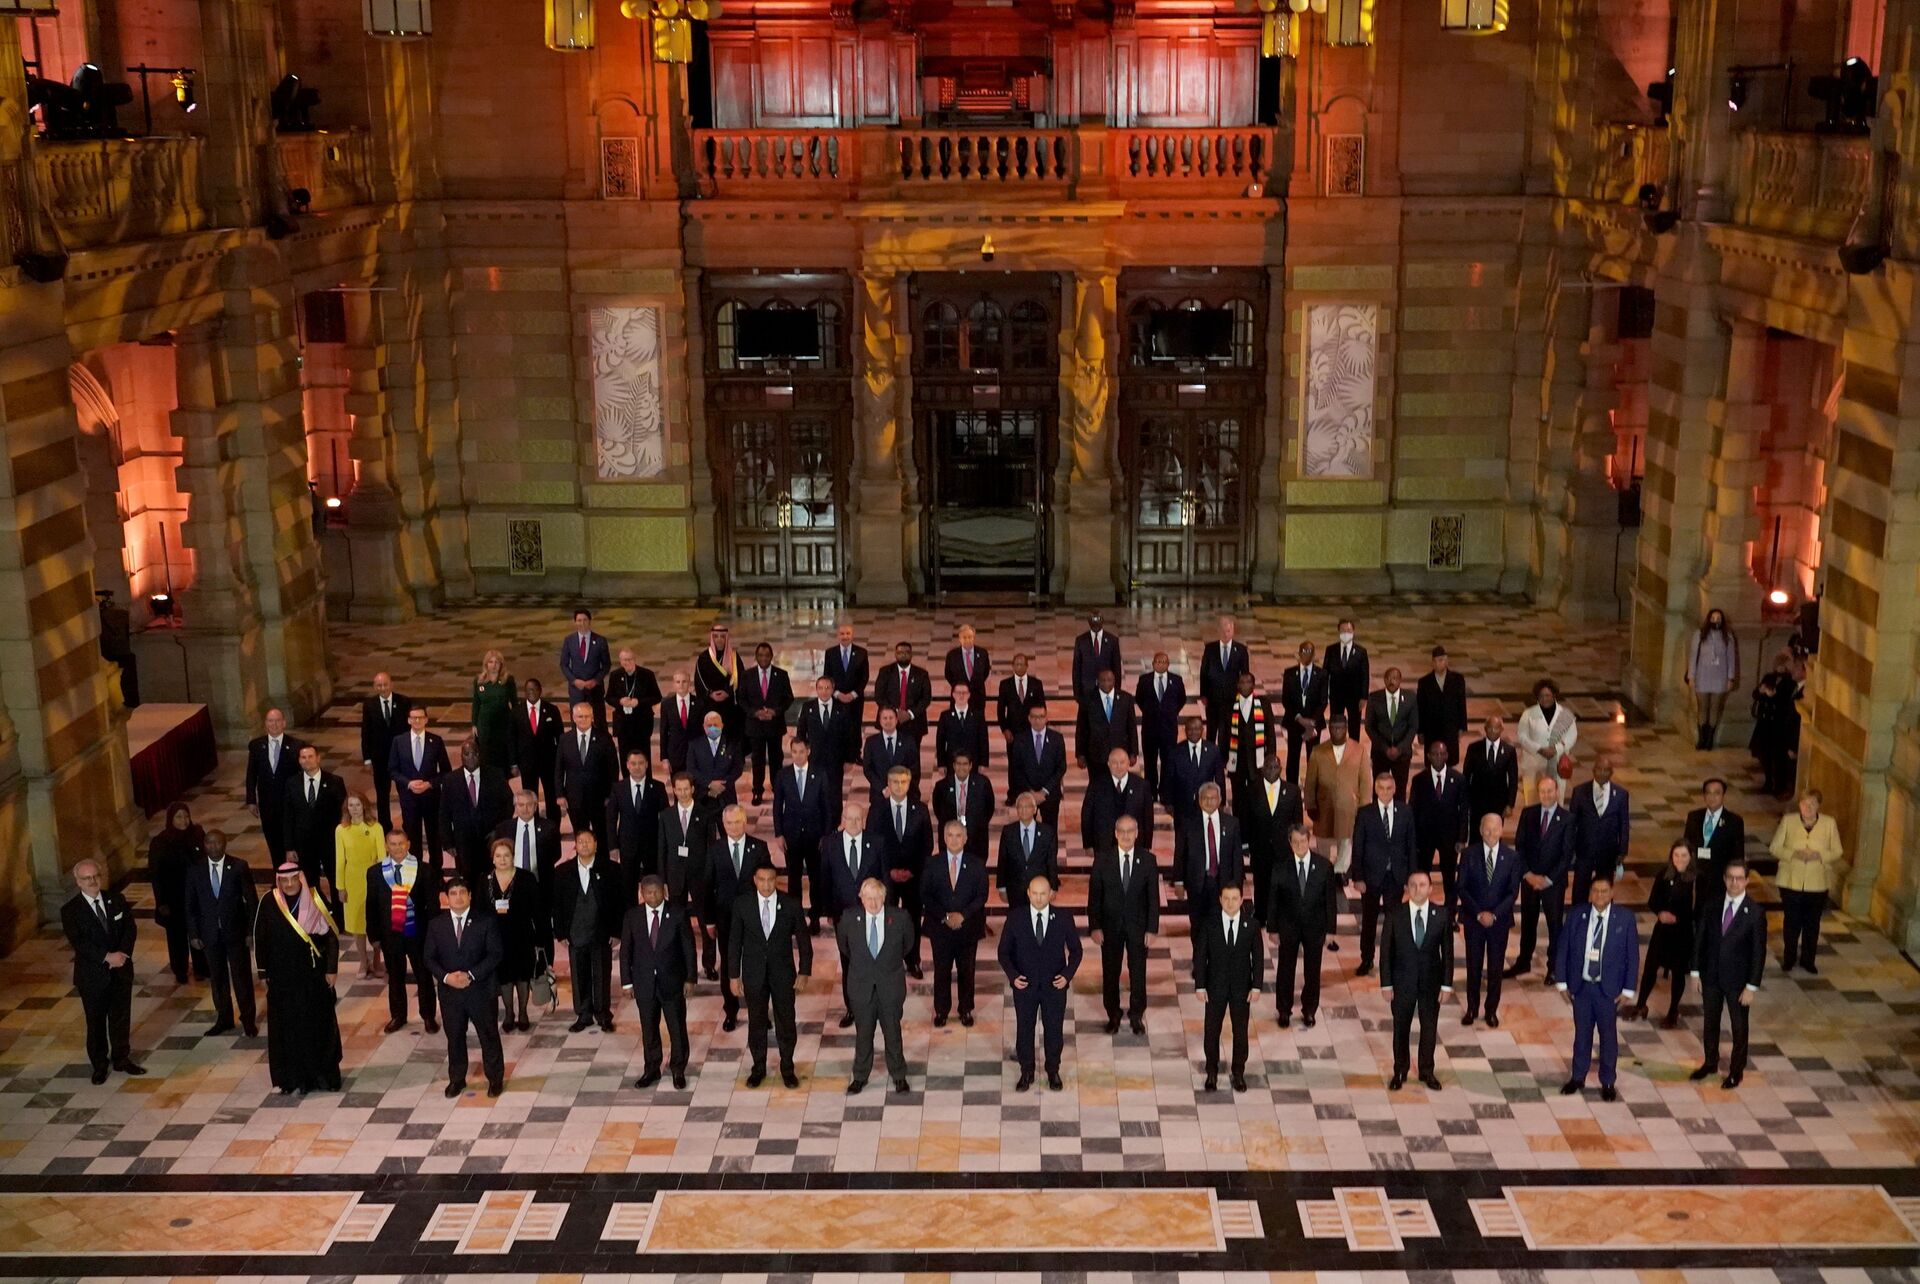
(358, 845)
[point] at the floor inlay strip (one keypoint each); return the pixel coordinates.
(1559, 1218)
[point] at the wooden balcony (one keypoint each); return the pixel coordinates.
(104, 191)
(1809, 185)
(334, 166)
(949, 164)
(1628, 157)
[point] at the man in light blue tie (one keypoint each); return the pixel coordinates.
(1599, 957)
(1106, 722)
(874, 939)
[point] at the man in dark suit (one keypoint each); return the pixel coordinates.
(1111, 794)
(1195, 761)
(1348, 675)
(681, 850)
(961, 729)
(587, 772)
(874, 939)
(1105, 722)
(536, 840)
(633, 817)
(1489, 884)
(1440, 698)
(534, 741)
(383, 715)
(679, 722)
(1039, 952)
(463, 953)
(820, 726)
(416, 760)
(1600, 827)
(1029, 849)
(1159, 698)
(1247, 738)
(1273, 806)
(272, 760)
(953, 898)
(99, 926)
(1094, 650)
(901, 829)
(632, 693)
(904, 687)
(1730, 953)
(1221, 664)
(220, 905)
(848, 860)
(1441, 819)
(1207, 855)
(769, 930)
(656, 964)
(1383, 856)
(1416, 968)
(1227, 969)
(1123, 910)
(474, 801)
(312, 803)
(886, 749)
(733, 857)
(966, 796)
(1305, 902)
(1597, 964)
(968, 665)
(715, 762)
(846, 664)
(587, 903)
(1020, 691)
(1715, 834)
(801, 818)
(402, 938)
(1545, 841)
(1491, 772)
(584, 662)
(766, 693)
(1303, 702)
(1392, 722)
(1037, 763)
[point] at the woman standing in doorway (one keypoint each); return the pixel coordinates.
(1713, 669)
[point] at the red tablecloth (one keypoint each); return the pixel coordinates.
(179, 759)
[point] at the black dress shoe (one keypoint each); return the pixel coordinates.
(1512, 972)
(431, 1027)
(1026, 1081)
(1113, 1025)
(455, 1089)
(99, 1076)
(133, 1068)
(1609, 1093)
(1306, 1022)
(789, 1078)
(1213, 1084)
(900, 1085)
(1809, 968)
(1138, 1026)
(1239, 1083)
(1570, 1087)
(225, 1027)
(495, 1089)
(606, 1025)
(252, 1032)
(756, 1078)
(1365, 969)
(854, 1087)
(1432, 1081)
(1731, 1082)
(647, 1080)
(1469, 1018)
(757, 800)
(1396, 1083)
(712, 975)
(579, 1024)
(913, 970)
(1053, 1081)
(846, 1019)
(966, 1019)
(730, 1024)
(398, 1023)
(1704, 1072)
(1285, 1021)
(940, 1021)
(1493, 1022)
(680, 1080)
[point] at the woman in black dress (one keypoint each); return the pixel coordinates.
(171, 856)
(516, 898)
(1675, 903)
(1776, 725)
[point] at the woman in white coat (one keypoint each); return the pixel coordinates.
(1713, 669)
(1547, 732)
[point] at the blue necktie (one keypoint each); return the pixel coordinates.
(873, 935)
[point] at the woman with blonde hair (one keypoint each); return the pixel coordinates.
(1713, 669)
(493, 693)
(1807, 845)
(358, 845)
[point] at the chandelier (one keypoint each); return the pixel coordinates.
(672, 24)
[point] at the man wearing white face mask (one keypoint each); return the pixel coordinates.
(1348, 676)
(715, 762)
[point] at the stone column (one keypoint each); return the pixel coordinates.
(1267, 486)
(1084, 540)
(238, 72)
(1740, 420)
(706, 540)
(878, 553)
(1594, 538)
(376, 591)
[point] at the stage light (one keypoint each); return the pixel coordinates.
(1779, 597)
(292, 105)
(1851, 95)
(161, 606)
(333, 501)
(183, 91)
(1736, 91)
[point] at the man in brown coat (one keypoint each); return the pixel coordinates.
(1336, 786)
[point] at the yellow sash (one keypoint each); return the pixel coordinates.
(280, 900)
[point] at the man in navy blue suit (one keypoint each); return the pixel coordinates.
(1039, 952)
(1599, 957)
(1158, 700)
(415, 762)
(1489, 885)
(585, 661)
(953, 905)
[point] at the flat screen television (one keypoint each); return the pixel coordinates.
(1190, 334)
(777, 334)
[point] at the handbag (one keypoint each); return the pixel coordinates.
(545, 990)
(1565, 766)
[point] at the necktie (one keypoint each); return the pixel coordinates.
(1393, 707)
(273, 755)
(653, 927)
(1490, 855)
(583, 746)
(473, 788)
(1106, 700)
(1126, 869)
(1301, 865)
(1438, 782)
(953, 869)
(1039, 926)
(683, 711)
(800, 781)
(1546, 818)
(1213, 852)
(1039, 739)
(1232, 923)
(766, 917)
(1419, 927)
(1306, 676)
(533, 718)
(419, 751)
(873, 935)
(312, 789)
(1596, 939)
(1726, 919)
(1388, 816)
(846, 657)
(966, 661)
(1020, 686)
(1196, 753)
(1600, 801)
(583, 647)
(1707, 829)
(685, 819)
(100, 911)
(1118, 788)
(763, 684)
(213, 875)
(736, 858)
(1026, 839)
(1160, 687)
(889, 746)
(903, 689)
(386, 710)
(853, 858)
(960, 800)
(459, 927)
(526, 845)
(899, 820)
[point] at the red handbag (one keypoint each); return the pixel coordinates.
(1566, 766)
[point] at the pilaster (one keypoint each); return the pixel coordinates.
(882, 528)
(1086, 540)
(376, 590)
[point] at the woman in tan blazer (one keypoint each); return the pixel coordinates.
(1807, 845)
(1336, 786)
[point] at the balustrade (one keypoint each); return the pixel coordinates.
(334, 166)
(104, 191)
(1810, 185)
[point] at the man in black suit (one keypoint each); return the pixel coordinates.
(1039, 952)
(904, 687)
(1303, 702)
(766, 693)
(273, 760)
(463, 953)
(681, 850)
(1247, 738)
(633, 816)
(846, 664)
(1416, 968)
(1489, 885)
(383, 715)
(1227, 969)
(534, 742)
(1123, 910)
(874, 939)
(953, 897)
(403, 939)
(1440, 816)
(1105, 722)
(966, 796)
(1037, 763)
(1111, 794)
(535, 839)
(1029, 849)
(1159, 698)
(584, 662)
(1383, 856)
(1600, 809)
(1491, 772)
(886, 749)
(416, 760)
(1716, 834)
(312, 803)
(968, 665)
(474, 801)
(801, 818)
(820, 726)
(1545, 841)
(849, 859)
(901, 829)
(99, 926)
(679, 722)
(1273, 806)
(632, 693)
(1730, 953)
(769, 930)
(587, 903)
(961, 729)
(1195, 761)
(1305, 901)
(1206, 855)
(1094, 650)
(1348, 675)
(1440, 700)
(220, 904)
(1221, 664)
(656, 964)
(1020, 691)
(587, 772)
(715, 762)
(1392, 722)
(733, 858)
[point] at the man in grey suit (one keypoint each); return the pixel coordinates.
(874, 938)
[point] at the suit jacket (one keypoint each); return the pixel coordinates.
(907, 850)
(610, 890)
(663, 968)
(1026, 772)
(801, 817)
(425, 897)
(227, 918)
(1381, 861)
(720, 886)
(1439, 815)
(267, 786)
(1183, 779)
(707, 763)
(1303, 913)
(822, 729)
(763, 958)
(1087, 662)
(941, 896)
(1220, 678)
(876, 760)
(586, 782)
(1132, 909)
(464, 823)
(1190, 853)
(841, 883)
(849, 676)
(1010, 711)
(1347, 679)
(777, 700)
(1397, 732)
(632, 729)
(1097, 734)
(1619, 951)
(308, 828)
(1228, 975)
(1039, 959)
(536, 750)
(476, 952)
(633, 828)
(592, 666)
(979, 816)
(919, 694)
(1160, 717)
(1546, 851)
(1017, 867)
(400, 766)
(1480, 893)
(953, 734)
(1417, 971)
(92, 940)
(1599, 842)
(1334, 789)
(1246, 747)
(1266, 827)
(1492, 779)
(955, 672)
(376, 732)
(546, 843)
(878, 980)
(1729, 836)
(1442, 708)
(1304, 697)
(1737, 956)
(1101, 807)
(677, 734)
(685, 873)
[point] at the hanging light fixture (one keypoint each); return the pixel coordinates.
(672, 24)
(29, 9)
(1349, 22)
(1277, 30)
(1473, 17)
(398, 19)
(570, 25)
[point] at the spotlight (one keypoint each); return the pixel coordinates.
(1860, 260)
(1660, 94)
(292, 105)
(1851, 95)
(42, 269)
(986, 248)
(299, 200)
(161, 605)
(333, 501)
(183, 91)
(1778, 597)
(1737, 91)
(82, 108)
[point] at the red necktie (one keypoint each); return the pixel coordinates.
(583, 648)
(683, 711)
(966, 658)
(763, 684)
(533, 718)
(903, 690)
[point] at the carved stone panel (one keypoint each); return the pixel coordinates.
(629, 430)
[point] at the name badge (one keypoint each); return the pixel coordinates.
(683, 849)
(1593, 956)
(1701, 854)
(502, 906)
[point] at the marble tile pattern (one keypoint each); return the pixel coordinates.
(98, 1224)
(1665, 1217)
